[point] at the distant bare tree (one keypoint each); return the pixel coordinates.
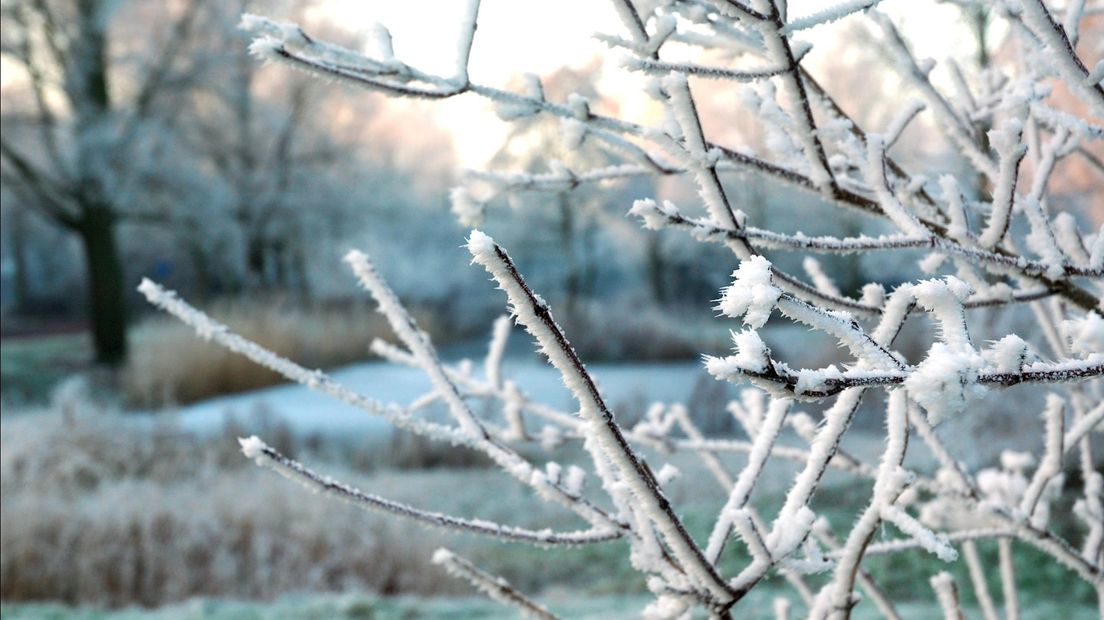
(81, 149)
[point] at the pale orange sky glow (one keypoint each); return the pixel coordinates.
(516, 37)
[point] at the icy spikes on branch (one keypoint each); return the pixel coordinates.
(813, 380)
(273, 39)
(947, 378)
(946, 381)
(779, 125)
(415, 339)
(789, 531)
(694, 155)
(745, 526)
(752, 355)
(752, 294)
(944, 299)
(1038, 19)
(888, 484)
(1009, 354)
(653, 216)
(900, 122)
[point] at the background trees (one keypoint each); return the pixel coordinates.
(145, 133)
(83, 148)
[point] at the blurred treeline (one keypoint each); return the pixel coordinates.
(141, 139)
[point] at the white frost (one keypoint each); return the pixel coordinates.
(751, 294)
(945, 382)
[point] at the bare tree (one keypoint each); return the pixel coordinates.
(79, 152)
(262, 139)
(1004, 250)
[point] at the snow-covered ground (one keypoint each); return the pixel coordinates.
(309, 412)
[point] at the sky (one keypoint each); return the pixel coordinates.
(520, 36)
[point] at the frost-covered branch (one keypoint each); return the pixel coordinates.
(265, 456)
(1038, 18)
(533, 313)
(887, 488)
(209, 329)
(491, 585)
(825, 382)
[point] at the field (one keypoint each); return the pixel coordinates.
(106, 511)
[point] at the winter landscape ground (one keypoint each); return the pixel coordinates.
(107, 509)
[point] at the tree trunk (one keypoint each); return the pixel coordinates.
(256, 271)
(18, 238)
(567, 239)
(202, 278)
(106, 295)
(657, 268)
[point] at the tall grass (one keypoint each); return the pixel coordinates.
(105, 509)
(118, 510)
(169, 365)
